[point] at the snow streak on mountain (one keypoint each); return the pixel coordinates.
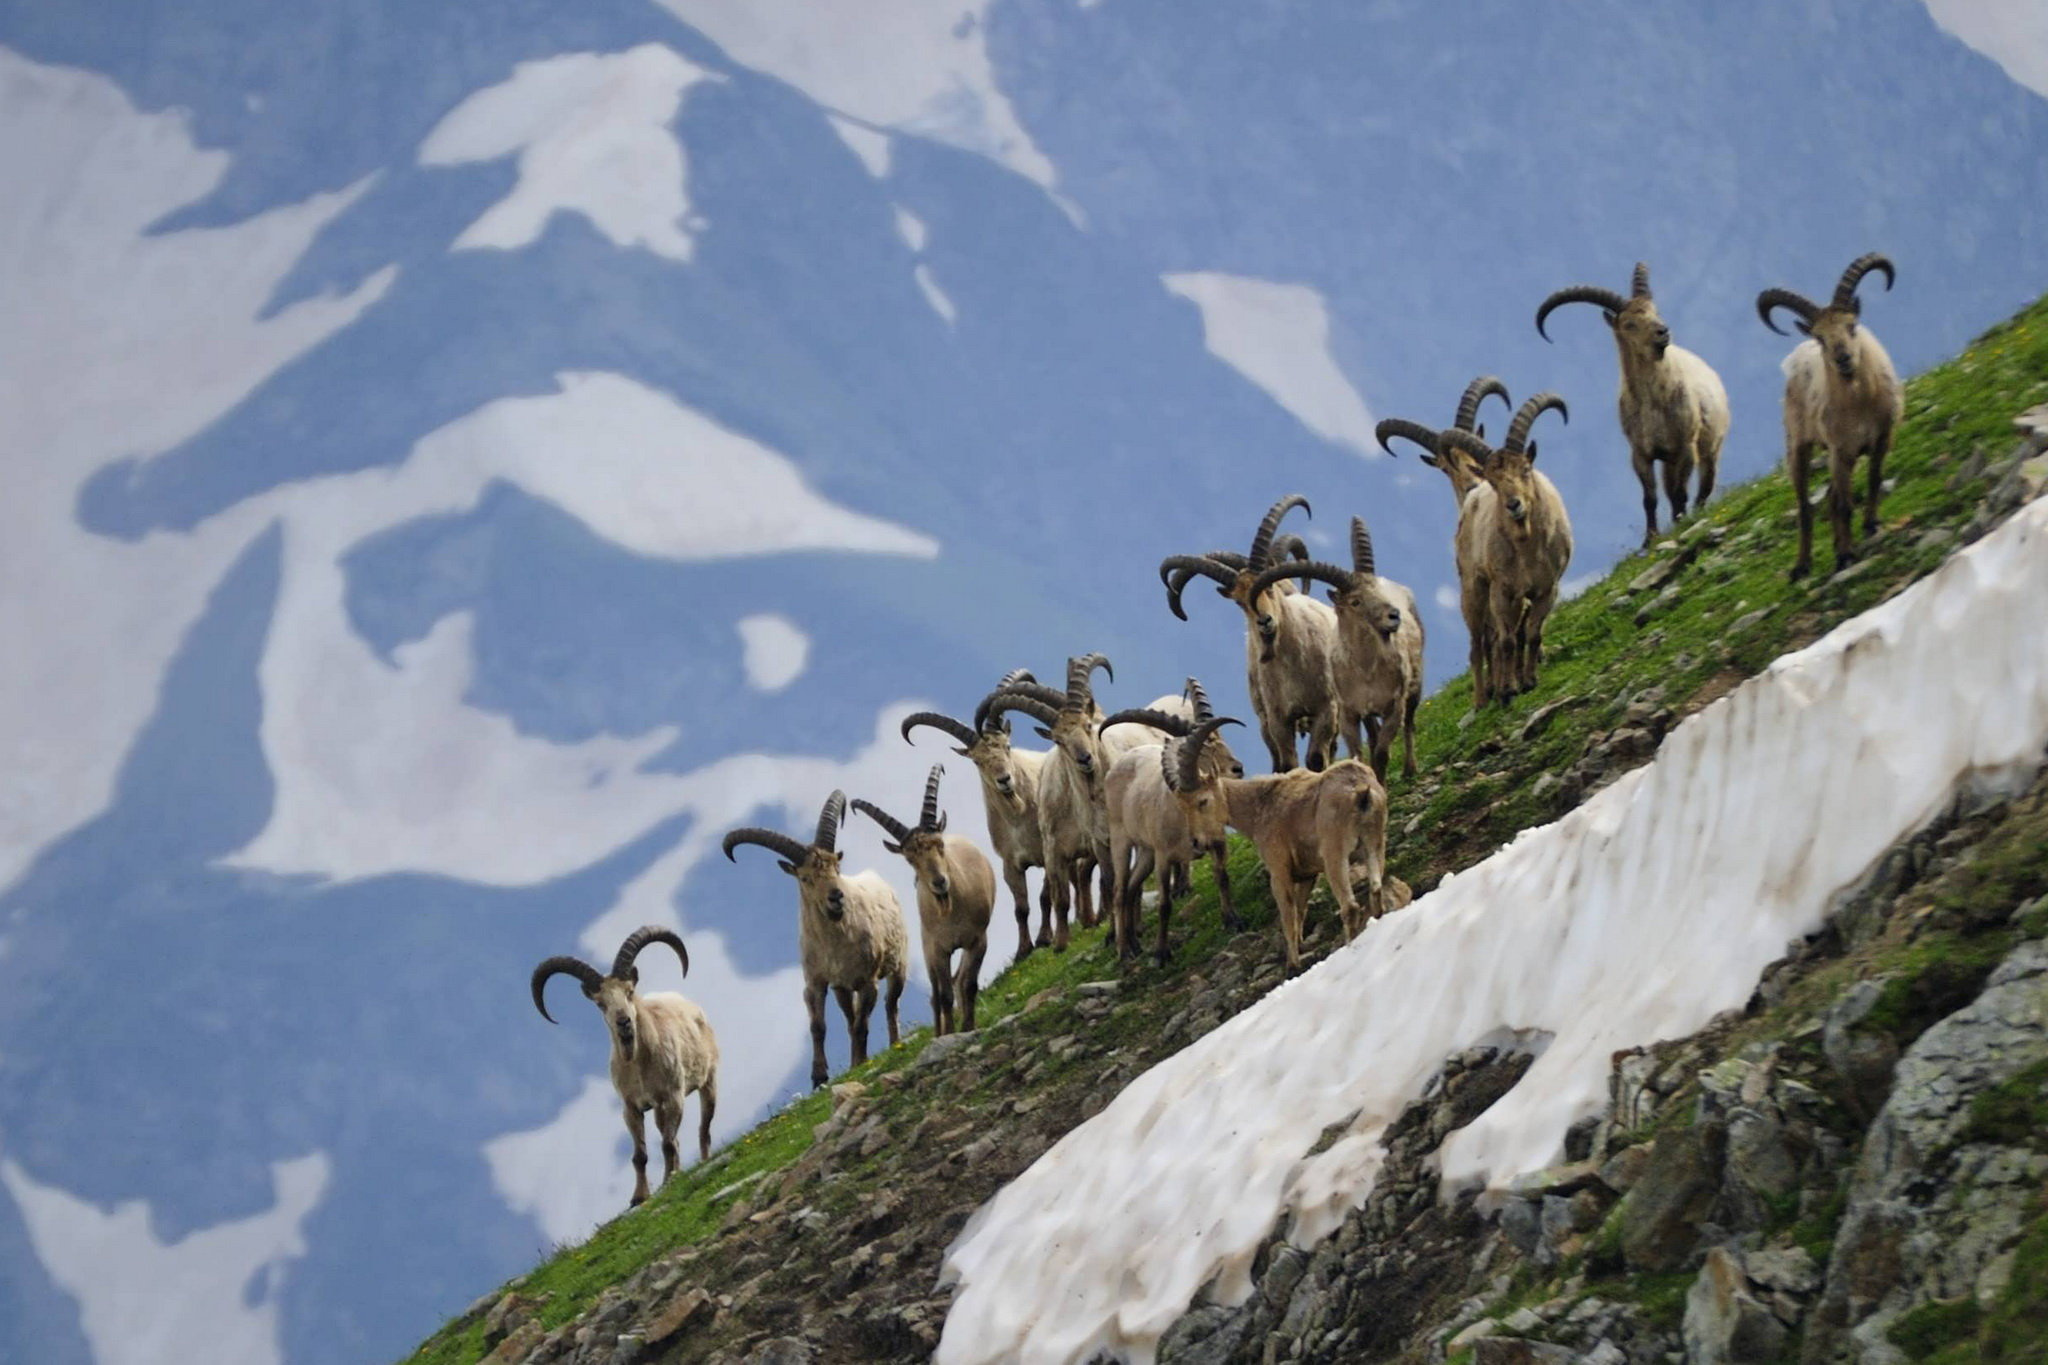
(461, 459)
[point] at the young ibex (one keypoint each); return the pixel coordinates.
(663, 1049)
(1513, 543)
(1333, 824)
(1290, 640)
(850, 932)
(956, 891)
(1073, 827)
(1153, 828)
(1674, 410)
(1840, 392)
(1377, 672)
(1009, 796)
(1456, 465)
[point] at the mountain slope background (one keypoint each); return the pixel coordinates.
(462, 461)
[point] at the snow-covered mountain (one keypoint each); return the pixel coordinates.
(461, 459)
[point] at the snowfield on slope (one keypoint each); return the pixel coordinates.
(1638, 916)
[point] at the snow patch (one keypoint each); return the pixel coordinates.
(941, 303)
(114, 342)
(1638, 916)
(910, 228)
(593, 135)
(212, 1295)
(871, 145)
(917, 66)
(774, 651)
(1278, 336)
(2013, 33)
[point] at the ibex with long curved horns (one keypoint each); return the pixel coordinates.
(850, 932)
(1073, 828)
(956, 891)
(1456, 465)
(1840, 392)
(1513, 544)
(1674, 409)
(1290, 640)
(1009, 797)
(1165, 811)
(663, 1049)
(1377, 672)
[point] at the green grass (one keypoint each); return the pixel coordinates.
(1478, 775)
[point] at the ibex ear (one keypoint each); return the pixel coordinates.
(1481, 431)
(1435, 463)
(1330, 593)
(893, 848)
(786, 865)
(632, 976)
(1532, 452)
(590, 992)
(1043, 733)
(960, 751)
(1804, 330)
(1609, 314)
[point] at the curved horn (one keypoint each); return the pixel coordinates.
(1190, 756)
(1478, 391)
(1199, 699)
(1639, 283)
(928, 817)
(567, 966)
(1423, 436)
(829, 816)
(1772, 299)
(1262, 542)
(773, 839)
(1315, 568)
(999, 702)
(1361, 549)
(1578, 293)
(1469, 444)
(1176, 570)
(639, 939)
(891, 826)
(1080, 683)
(1525, 417)
(1145, 715)
(1016, 675)
(1038, 692)
(937, 722)
(1845, 290)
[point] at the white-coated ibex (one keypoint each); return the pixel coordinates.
(850, 932)
(956, 891)
(1840, 392)
(1457, 466)
(1009, 797)
(1290, 640)
(1674, 409)
(1073, 829)
(1513, 543)
(663, 1049)
(1377, 671)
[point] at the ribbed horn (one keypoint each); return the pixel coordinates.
(1421, 435)
(936, 722)
(1525, 417)
(928, 816)
(1314, 568)
(1772, 299)
(1087, 664)
(639, 939)
(773, 839)
(1469, 444)
(1478, 391)
(1016, 675)
(1199, 699)
(1845, 290)
(1361, 549)
(1262, 542)
(1176, 570)
(1038, 692)
(1145, 715)
(566, 966)
(1578, 293)
(1190, 757)
(1639, 283)
(829, 816)
(891, 826)
(999, 702)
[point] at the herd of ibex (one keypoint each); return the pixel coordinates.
(1141, 794)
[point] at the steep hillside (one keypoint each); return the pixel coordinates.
(819, 1235)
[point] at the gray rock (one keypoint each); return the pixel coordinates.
(938, 1049)
(1515, 1351)
(783, 1351)
(1862, 1058)
(1725, 1323)
(1662, 1215)
(1206, 1336)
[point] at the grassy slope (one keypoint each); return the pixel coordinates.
(1479, 775)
